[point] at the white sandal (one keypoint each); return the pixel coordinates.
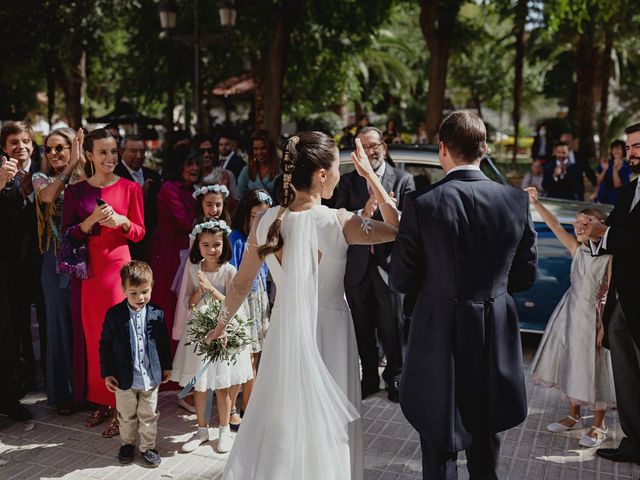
(589, 441)
(557, 427)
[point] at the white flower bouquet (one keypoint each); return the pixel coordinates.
(204, 319)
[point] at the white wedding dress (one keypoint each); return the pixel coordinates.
(302, 421)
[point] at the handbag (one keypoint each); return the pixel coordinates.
(73, 258)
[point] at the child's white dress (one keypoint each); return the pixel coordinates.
(567, 358)
(186, 364)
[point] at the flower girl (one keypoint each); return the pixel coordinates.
(570, 357)
(207, 276)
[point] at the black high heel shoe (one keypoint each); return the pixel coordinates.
(235, 426)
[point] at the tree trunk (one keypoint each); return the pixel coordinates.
(51, 90)
(437, 21)
(587, 67)
(603, 120)
(283, 19)
(521, 20)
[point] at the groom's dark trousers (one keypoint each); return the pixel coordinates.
(463, 245)
(622, 315)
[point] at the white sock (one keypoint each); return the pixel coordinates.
(203, 430)
(224, 429)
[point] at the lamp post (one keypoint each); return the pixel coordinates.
(168, 16)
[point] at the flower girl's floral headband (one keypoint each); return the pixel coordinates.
(211, 188)
(264, 198)
(210, 225)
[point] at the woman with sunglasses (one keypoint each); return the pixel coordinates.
(212, 173)
(62, 165)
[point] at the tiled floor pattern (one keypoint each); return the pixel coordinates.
(51, 446)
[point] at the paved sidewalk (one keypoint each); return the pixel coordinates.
(51, 446)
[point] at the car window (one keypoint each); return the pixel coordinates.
(424, 175)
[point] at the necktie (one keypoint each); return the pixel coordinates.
(137, 175)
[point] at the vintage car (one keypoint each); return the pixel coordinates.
(554, 261)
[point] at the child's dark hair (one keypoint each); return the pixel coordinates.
(196, 257)
(242, 218)
(305, 153)
(136, 273)
(200, 209)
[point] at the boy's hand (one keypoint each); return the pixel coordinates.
(111, 383)
(166, 375)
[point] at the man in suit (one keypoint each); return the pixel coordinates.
(131, 167)
(575, 158)
(541, 148)
(463, 245)
(621, 237)
(229, 158)
(375, 308)
(563, 179)
(24, 264)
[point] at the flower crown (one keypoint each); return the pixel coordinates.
(264, 197)
(210, 225)
(211, 188)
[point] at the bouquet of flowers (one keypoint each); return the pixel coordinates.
(204, 319)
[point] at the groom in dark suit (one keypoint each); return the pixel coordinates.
(463, 246)
(621, 238)
(375, 308)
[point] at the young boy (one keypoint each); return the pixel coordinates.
(134, 360)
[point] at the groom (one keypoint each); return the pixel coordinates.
(464, 244)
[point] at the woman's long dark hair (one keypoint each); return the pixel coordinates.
(304, 154)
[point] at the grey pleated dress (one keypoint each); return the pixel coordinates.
(567, 358)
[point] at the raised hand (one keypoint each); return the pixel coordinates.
(533, 194)
(76, 148)
(8, 170)
(361, 161)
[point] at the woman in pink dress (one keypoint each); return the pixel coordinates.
(106, 212)
(176, 214)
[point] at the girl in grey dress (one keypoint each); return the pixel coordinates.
(570, 357)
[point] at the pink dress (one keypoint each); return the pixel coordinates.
(108, 252)
(176, 214)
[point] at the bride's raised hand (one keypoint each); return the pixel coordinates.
(361, 161)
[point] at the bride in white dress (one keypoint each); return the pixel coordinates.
(303, 419)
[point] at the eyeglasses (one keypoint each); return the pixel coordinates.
(57, 148)
(210, 151)
(372, 146)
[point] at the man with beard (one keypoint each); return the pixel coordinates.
(621, 237)
(375, 308)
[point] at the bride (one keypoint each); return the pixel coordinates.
(303, 418)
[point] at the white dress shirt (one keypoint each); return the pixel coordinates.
(464, 167)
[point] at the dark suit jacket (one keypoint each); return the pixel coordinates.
(623, 242)
(571, 187)
(115, 344)
(138, 250)
(236, 164)
(19, 238)
(463, 244)
(352, 194)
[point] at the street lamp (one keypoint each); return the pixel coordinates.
(227, 14)
(168, 13)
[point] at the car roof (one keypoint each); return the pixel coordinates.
(564, 210)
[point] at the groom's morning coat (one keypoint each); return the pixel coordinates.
(464, 244)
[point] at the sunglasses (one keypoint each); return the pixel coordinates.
(207, 150)
(57, 148)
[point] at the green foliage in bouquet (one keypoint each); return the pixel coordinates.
(204, 318)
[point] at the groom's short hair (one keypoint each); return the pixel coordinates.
(464, 134)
